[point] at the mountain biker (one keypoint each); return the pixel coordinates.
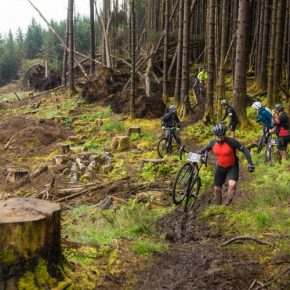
(202, 77)
(264, 117)
(224, 149)
(281, 128)
(230, 112)
(171, 120)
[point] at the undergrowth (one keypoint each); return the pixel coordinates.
(130, 221)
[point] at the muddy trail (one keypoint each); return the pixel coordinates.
(196, 259)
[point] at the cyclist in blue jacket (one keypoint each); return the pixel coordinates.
(264, 117)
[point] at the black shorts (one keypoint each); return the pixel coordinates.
(283, 142)
(222, 173)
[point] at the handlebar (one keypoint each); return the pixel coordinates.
(203, 158)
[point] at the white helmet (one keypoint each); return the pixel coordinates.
(257, 105)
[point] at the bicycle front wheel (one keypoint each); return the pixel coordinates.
(164, 147)
(192, 193)
(260, 144)
(269, 154)
(182, 183)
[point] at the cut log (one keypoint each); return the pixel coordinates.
(29, 236)
(61, 159)
(10, 141)
(120, 143)
(80, 164)
(136, 130)
(89, 173)
(74, 173)
(64, 148)
(15, 174)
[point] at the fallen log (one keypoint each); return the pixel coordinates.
(10, 141)
(247, 238)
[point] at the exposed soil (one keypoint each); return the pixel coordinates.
(30, 134)
(196, 261)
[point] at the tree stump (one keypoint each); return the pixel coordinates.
(14, 174)
(120, 143)
(133, 130)
(64, 148)
(29, 236)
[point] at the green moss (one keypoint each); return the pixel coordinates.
(38, 279)
(7, 256)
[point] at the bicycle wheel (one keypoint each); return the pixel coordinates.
(269, 154)
(164, 147)
(260, 144)
(182, 182)
(193, 193)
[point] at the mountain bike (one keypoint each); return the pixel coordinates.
(269, 151)
(263, 140)
(198, 87)
(165, 144)
(187, 183)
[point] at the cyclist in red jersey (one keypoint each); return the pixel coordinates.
(281, 127)
(224, 149)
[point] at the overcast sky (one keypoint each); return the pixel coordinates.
(19, 13)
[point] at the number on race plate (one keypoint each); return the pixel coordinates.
(193, 157)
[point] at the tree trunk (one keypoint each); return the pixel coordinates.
(179, 56)
(221, 76)
(239, 101)
(272, 54)
(265, 47)
(235, 7)
(93, 41)
(185, 111)
(29, 237)
(71, 84)
(211, 63)
(279, 48)
(133, 59)
(165, 50)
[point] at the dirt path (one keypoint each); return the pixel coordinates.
(196, 261)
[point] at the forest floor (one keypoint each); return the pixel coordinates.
(121, 231)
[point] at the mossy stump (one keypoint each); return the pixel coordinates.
(132, 130)
(120, 143)
(29, 236)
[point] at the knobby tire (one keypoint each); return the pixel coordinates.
(164, 147)
(181, 183)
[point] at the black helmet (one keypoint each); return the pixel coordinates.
(224, 102)
(279, 107)
(219, 130)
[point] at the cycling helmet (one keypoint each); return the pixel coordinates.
(279, 107)
(219, 130)
(257, 105)
(224, 102)
(172, 107)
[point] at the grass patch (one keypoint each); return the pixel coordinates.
(107, 113)
(147, 247)
(113, 126)
(130, 221)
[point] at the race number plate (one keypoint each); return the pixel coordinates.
(193, 157)
(273, 141)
